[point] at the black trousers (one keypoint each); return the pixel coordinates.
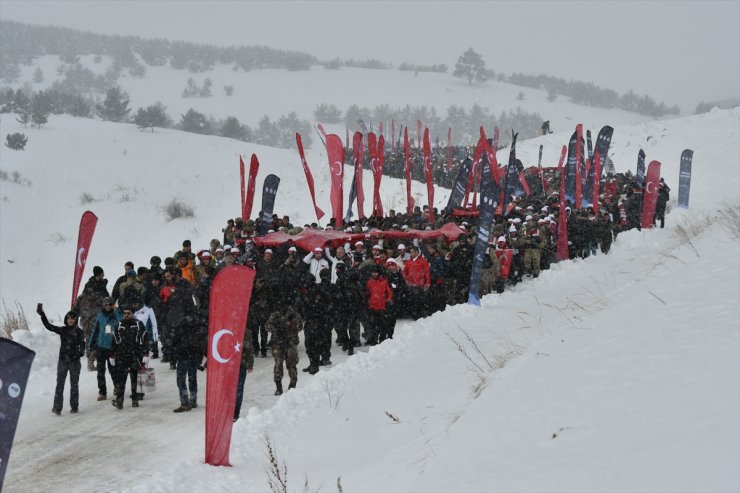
(120, 372)
(73, 368)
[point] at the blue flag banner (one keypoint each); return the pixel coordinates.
(684, 178)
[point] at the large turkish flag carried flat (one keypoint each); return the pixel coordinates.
(84, 238)
(229, 306)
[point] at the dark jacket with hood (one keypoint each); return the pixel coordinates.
(72, 346)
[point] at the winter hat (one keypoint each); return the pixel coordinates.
(376, 247)
(219, 249)
(205, 254)
(186, 243)
(97, 270)
(269, 250)
(544, 208)
(391, 261)
(401, 246)
(108, 301)
(227, 248)
(528, 218)
(131, 272)
(292, 249)
(234, 250)
(270, 231)
(317, 250)
(359, 243)
(512, 229)
(501, 239)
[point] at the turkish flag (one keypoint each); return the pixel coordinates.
(650, 195)
(428, 172)
(229, 306)
(579, 153)
(243, 188)
(84, 238)
(309, 176)
(505, 258)
(335, 154)
(254, 167)
(407, 160)
(358, 156)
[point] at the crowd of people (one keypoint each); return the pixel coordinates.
(349, 295)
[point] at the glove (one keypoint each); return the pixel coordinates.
(40, 309)
(145, 360)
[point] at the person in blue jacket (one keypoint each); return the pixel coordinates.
(101, 341)
(71, 349)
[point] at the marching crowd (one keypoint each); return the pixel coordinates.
(350, 294)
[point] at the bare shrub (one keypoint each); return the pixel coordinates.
(57, 238)
(12, 320)
(277, 473)
(87, 198)
(178, 208)
(729, 217)
(335, 397)
(14, 177)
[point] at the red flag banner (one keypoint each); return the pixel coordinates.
(229, 306)
(377, 167)
(562, 245)
(321, 129)
(428, 172)
(650, 196)
(84, 238)
(407, 160)
(358, 155)
(393, 133)
(380, 129)
(597, 182)
(309, 176)
(579, 154)
(378, 204)
(244, 188)
(254, 167)
(335, 155)
(418, 134)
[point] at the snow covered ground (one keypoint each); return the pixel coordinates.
(617, 373)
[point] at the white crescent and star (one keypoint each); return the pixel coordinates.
(214, 346)
(338, 170)
(80, 259)
(648, 185)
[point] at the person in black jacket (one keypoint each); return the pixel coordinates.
(72, 348)
(129, 348)
(660, 206)
(188, 342)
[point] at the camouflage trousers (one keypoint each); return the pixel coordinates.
(532, 261)
(288, 355)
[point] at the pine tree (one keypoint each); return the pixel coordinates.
(115, 106)
(205, 91)
(471, 66)
(22, 108)
(40, 109)
(141, 119)
(38, 76)
(195, 122)
(231, 128)
(16, 141)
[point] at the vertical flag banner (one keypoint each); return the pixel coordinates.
(393, 133)
(428, 172)
(603, 141)
(229, 307)
(570, 170)
(640, 174)
(407, 160)
(579, 170)
(418, 134)
(376, 163)
(358, 156)
(597, 182)
(684, 178)
(589, 146)
(335, 156)
(650, 195)
(269, 192)
(449, 149)
(309, 176)
(243, 188)
(458, 191)
(84, 238)
(512, 173)
(488, 198)
(254, 167)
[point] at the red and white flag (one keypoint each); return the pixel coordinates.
(229, 307)
(335, 155)
(579, 154)
(254, 167)
(376, 160)
(407, 160)
(650, 195)
(358, 155)
(84, 238)
(243, 187)
(429, 177)
(309, 176)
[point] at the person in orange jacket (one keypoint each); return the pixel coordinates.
(379, 295)
(417, 274)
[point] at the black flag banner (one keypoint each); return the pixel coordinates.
(640, 174)
(269, 192)
(684, 178)
(603, 141)
(458, 191)
(15, 364)
(489, 194)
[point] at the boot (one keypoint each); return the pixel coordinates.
(102, 397)
(181, 409)
(134, 403)
(292, 384)
(313, 370)
(118, 404)
(278, 388)
(351, 351)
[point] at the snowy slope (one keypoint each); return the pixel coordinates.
(631, 360)
(302, 91)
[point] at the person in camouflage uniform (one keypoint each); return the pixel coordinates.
(284, 328)
(532, 243)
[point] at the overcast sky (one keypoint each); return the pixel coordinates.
(677, 52)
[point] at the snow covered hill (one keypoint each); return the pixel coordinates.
(302, 91)
(618, 373)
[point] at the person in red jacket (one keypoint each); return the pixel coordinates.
(379, 295)
(418, 277)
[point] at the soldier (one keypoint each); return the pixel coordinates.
(88, 305)
(284, 331)
(532, 243)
